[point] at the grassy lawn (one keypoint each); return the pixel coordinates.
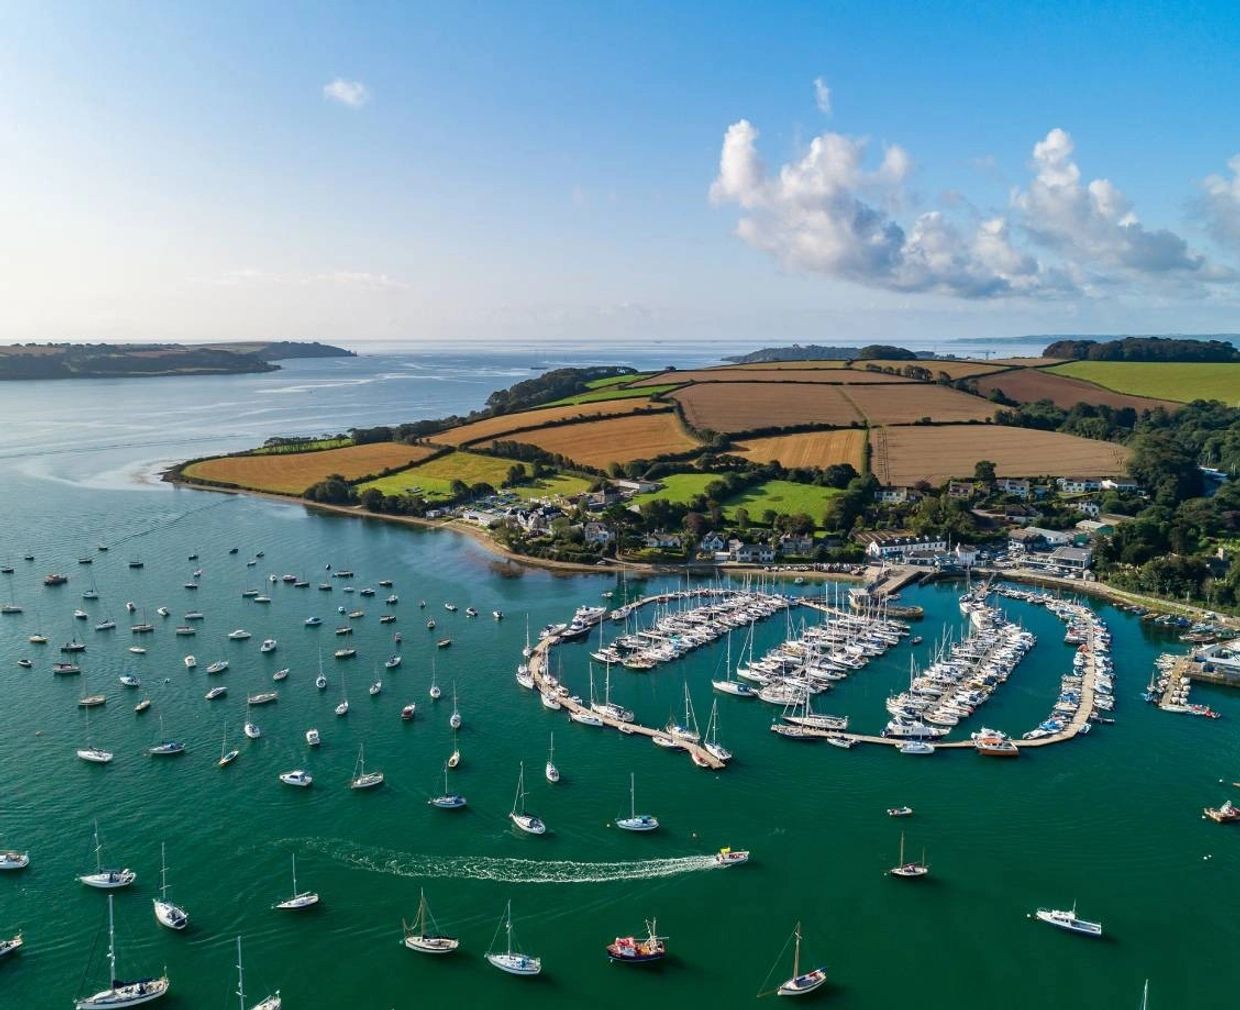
(1173, 380)
(783, 496)
(617, 380)
(310, 446)
(561, 484)
(436, 476)
(612, 392)
(679, 487)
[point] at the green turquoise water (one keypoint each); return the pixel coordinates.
(1111, 820)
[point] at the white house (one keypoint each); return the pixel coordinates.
(797, 545)
(712, 542)
(753, 553)
(1079, 485)
(1119, 484)
(662, 540)
(895, 546)
(597, 533)
(1010, 485)
(896, 495)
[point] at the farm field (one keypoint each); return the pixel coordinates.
(292, 473)
(617, 380)
(492, 426)
(562, 484)
(904, 455)
(810, 448)
(803, 363)
(1028, 385)
(1026, 362)
(1171, 380)
(909, 404)
(955, 369)
(312, 445)
(729, 407)
(679, 487)
(435, 477)
(613, 392)
(783, 496)
(826, 375)
(613, 440)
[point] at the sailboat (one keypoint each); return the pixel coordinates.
(434, 692)
(227, 757)
(448, 800)
(362, 779)
(528, 651)
(509, 960)
(454, 720)
(909, 870)
(454, 758)
(320, 681)
(729, 685)
(272, 1002)
(689, 729)
(526, 822)
(118, 993)
(166, 913)
(800, 984)
(713, 746)
(552, 772)
(300, 899)
(106, 880)
(91, 753)
(419, 938)
(343, 707)
(636, 821)
(165, 747)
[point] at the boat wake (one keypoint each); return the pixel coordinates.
(509, 871)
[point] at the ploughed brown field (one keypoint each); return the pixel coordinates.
(293, 472)
(955, 369)
(614, 439)
(1027, 385)
(909, 404)
(768, 374)
(810, 448)
(493, 426)
(903, 456)
(744, 406)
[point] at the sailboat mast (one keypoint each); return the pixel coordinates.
(509, 927)
(294, 874)
(796, 954)
(111, 944)
(240, 977)
(163, 871)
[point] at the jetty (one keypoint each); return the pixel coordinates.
(539, 663)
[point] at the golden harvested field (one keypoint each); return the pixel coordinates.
(908, 404)
(614, 439)
(956, 369)
(810, 448)
(293, 472)
(903, 456)
(744, 406)
(832, 375)
(1028, 385)
(492, 426)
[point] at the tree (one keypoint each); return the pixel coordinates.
(984, 471)
(372, 499)
(741, 516)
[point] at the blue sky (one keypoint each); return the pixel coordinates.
(549, 172)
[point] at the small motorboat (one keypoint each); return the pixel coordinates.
(13, 860)
(408, 711)
(25, 664)
(298, 777)
(1068, 920)
(269, 645)
(899, 811)
(731, 857)
(190, 662)
(142, 706)
(312, 622)
(312, 737)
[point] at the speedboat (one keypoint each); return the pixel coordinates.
(13, 860)
(408, 711)
(218, 667)
(239, 635)
(190, 662)
(11, 946)
(312, 737)
(1068, 920)
(297, 777)
(269, 645)
(312, 622)
(731, 857)
(262, 698)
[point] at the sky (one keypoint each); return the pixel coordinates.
(537, 173)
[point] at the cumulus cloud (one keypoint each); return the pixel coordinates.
(354, 94)
(833, 211)
(1219, 205)
(822, 96)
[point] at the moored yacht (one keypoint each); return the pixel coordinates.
(1068, 920)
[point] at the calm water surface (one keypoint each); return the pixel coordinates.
(1111, 820)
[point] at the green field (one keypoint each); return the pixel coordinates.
(311, 446)
(679, 487)
(435, 476)
(611, 393)
(548, 487)
(783, 496)
(1171, 380)
(617, 380)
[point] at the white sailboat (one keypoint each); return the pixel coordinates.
(227, 757)
(730, 685)
(272, 1002)
(118, 993)
(525, 821)
(434, 691)
(447, 800)
(713, 746)
(510, 960)
(424, 936)
(551, 772)
(362, 779)
(106, 880)
(90, 753)
(343, 707)
(166, 912)
(454, 720)
(636, 821)
(801, 983)
(300, 899)
(911, 870)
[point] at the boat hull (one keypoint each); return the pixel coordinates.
(128, 994)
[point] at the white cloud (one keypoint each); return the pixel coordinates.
(822, 96)
(829, 213)
(354, 94)
(358, 279)
(1219, 205)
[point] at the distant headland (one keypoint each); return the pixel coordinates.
(99, 361)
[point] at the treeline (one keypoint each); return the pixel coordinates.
(1144, 349)
(553, 385)
(819, 352)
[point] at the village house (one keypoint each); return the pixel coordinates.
(597, 533)
(1076, 558)
(711, 543)
(663, 540)
(1120, 484)
(1095, 528)
(896, 546)
(750, 554)
(1079, 485)
(1088, 508)
(1020, 488)
(631, 487)
(797, 545)
(963, 489)
(1034, 538)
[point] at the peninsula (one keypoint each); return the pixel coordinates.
(97, 361)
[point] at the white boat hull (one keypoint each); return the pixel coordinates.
(516, 964)
(129, 994)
